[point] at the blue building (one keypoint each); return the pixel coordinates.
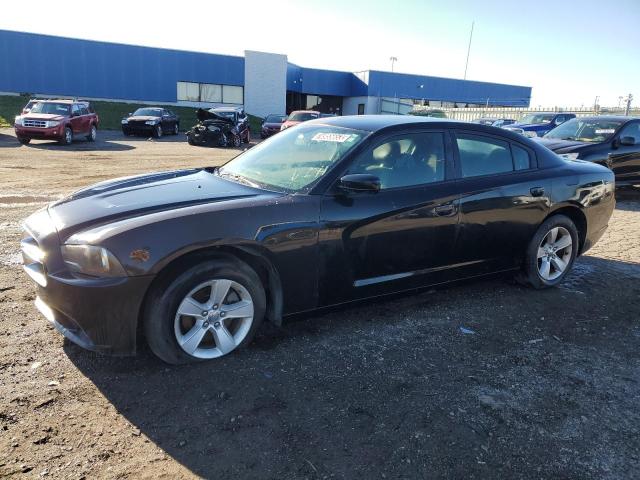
(264, 82)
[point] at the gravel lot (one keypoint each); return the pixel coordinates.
(546, 386)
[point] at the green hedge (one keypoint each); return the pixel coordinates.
(110, 113)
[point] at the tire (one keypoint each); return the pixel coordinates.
(544, 255)
(237, 141)
(247, 137)
(176, 129)
(93, 133)
(24, 141)
(157, 131)
(163, 326)
(190, 140)
(67, 139)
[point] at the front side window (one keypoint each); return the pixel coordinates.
(293, 160)
(631, 130)
(591, 130)
(404, 161)
(483, 156)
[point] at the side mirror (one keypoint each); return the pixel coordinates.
(360, 182)
(129, 114)
(628, 141)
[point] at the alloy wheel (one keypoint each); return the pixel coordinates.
(213, 318)
(554, 253)
(158, 131)
(176, 129)
(68, 136)
(94, 133)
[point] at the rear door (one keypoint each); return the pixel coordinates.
(399, 237)
(503, 199)
(625, 160)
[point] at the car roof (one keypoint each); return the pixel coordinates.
(227, 109)
(373, 123)
(306, 111)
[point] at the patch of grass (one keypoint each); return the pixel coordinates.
(110, 113)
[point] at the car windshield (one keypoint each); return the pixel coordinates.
(275, 118)
(52, 108)
(303, 116)
(536, 118)
(148, 112)
(224, 114)
(293, 160)
(585, 130)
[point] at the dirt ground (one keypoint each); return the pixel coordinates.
(543, 384)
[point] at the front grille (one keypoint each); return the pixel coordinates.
(35, 123)
(33, 260)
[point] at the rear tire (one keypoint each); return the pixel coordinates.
(163, 325)
(551, 252)
(93, 133)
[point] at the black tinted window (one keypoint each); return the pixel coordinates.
(483, 156)
(631, 130)
(405, 160)
(521, 158)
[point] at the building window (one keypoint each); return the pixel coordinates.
(210, 93)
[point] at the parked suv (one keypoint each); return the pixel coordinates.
(60, 120)
(538, 124)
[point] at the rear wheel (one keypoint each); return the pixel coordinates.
(205, 312)
(67, 137)
(24, 141)
(92, 134)
(551, 252)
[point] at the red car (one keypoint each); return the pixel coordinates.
(299, 116)
(60, 120)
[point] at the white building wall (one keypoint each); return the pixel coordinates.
(350, 105)
(265, 83)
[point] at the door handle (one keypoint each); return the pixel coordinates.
(446, 210)
(537, 191)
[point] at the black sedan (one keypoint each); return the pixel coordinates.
(330, 211)
(613, 141)
(151, 121)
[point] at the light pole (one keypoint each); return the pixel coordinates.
(393, 61)
(468, 50)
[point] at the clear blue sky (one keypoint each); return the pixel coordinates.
(568, 51)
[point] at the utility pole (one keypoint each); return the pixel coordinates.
(468, 50)
(627, 110)
(595, 104)
(393, 61)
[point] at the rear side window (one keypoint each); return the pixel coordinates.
(487, 156)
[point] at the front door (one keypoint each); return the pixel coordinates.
(399, 237)
(625, 160)
(77, 120)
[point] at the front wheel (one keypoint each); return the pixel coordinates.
(206, 312)
(67, 137)
(157, 131)
(237, 141)
(24, 141)
(176, 129)
(551, 252)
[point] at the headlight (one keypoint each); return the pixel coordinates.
(18, 121)
(213, 128)
(569, 156)
(124, 121)
(92, 260)
(151, 122)
(52, 123)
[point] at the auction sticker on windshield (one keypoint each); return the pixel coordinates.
(604, 130)
(332, 137)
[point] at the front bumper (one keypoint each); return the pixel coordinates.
(99, 314)
(53, 133)
(138, 129)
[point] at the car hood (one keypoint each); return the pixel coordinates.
(561, 146)
(132, 196)
(203, 115)
(142, 118)
(43, 116)
(272, 124)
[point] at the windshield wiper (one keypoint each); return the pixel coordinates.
(238, 178)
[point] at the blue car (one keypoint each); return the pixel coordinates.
(538, 124)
